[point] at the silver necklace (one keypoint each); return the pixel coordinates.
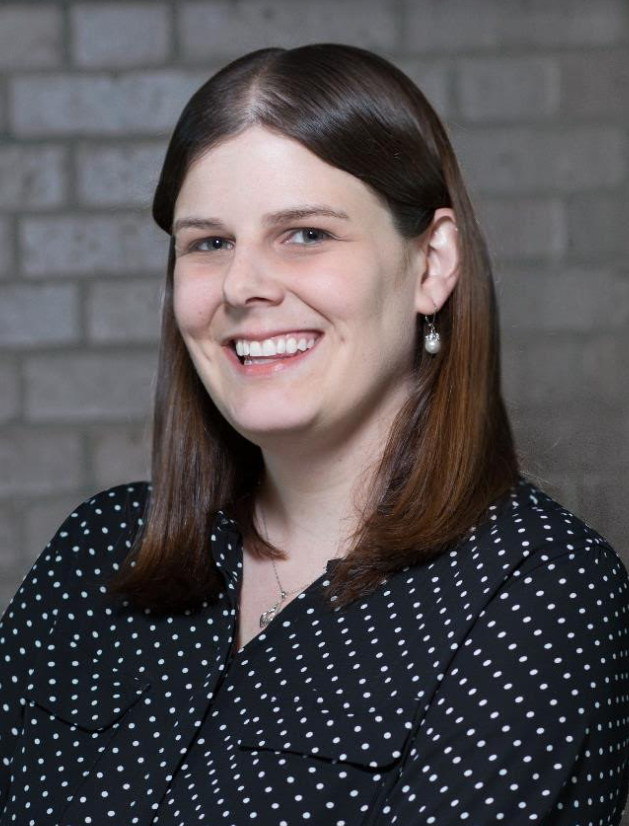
(267, 616)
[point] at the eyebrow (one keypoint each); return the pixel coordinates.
(271, 219)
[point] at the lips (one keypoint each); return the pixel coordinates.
(268, 365)
(286, 345)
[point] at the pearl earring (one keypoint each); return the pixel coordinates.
(432, 339)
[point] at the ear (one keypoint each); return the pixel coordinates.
(436, 256)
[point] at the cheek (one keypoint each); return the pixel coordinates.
(193, 303)
(345, 290)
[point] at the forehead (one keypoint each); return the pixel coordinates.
(265, 171)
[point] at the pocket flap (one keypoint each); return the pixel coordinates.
(79, 688)
(369, 732)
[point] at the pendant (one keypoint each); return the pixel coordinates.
(267, 616)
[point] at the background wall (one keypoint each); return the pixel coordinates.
(534, 95)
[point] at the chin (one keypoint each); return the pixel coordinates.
(268, 430)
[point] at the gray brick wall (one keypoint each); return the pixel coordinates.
(535, 97)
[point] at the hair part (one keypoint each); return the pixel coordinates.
(450, 452)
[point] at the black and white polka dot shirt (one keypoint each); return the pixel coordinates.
(488, 686)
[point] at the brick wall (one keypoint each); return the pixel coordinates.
(535, 98)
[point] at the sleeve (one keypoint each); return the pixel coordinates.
(530, 723)
(24, 626)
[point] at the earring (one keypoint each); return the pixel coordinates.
(432, 339)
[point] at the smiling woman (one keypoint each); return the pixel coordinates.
(337, 600)
(351, 285)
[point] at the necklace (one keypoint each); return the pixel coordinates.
(267, 616)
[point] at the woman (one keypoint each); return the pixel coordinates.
(338, 601)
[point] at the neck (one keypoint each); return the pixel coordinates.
(312, 519)
(313, 498)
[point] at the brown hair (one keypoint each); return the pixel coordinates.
(450, 452)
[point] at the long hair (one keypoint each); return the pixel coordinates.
(450, 451)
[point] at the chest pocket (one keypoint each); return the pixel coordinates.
(74, 703)
(369, 732)
(81, 689)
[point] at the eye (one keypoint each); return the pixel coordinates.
(311, 236)
(212, 242)
(308, 233)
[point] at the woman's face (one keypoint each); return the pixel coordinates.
(244, 271)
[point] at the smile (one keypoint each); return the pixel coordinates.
(268, 365)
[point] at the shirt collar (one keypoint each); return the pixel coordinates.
(226, 544)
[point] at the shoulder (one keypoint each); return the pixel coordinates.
(106, 517)
(534, 583)
(545, 550)
(104, 525)
(88, 546)
(120, 507)
(527, 543)
(99, 529)
(561, 607)
(529, 524)
(530, 641)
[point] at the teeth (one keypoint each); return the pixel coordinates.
(273, 347)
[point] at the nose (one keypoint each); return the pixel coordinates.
(250, 278)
